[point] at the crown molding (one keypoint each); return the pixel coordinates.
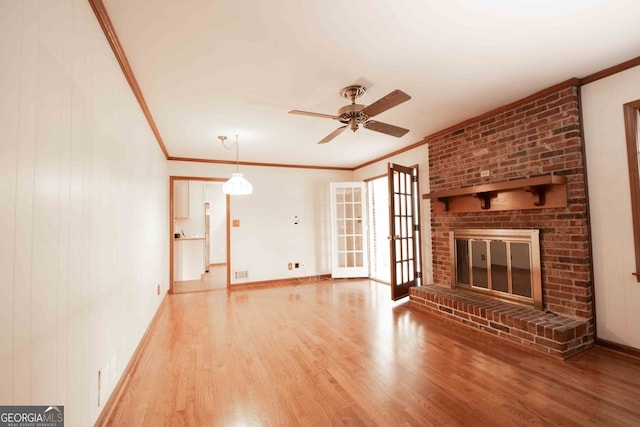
(610, 71)
(270, 165)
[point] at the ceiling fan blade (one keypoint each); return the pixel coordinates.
(332, 135)
(385, 128)
(308, 113)
(388, 101)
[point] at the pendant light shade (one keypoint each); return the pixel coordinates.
(237, 185)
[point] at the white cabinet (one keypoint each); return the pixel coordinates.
(181, 199)
(188, 261)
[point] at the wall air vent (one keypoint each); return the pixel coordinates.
(241, 274)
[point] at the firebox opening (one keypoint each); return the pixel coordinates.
(502, 263)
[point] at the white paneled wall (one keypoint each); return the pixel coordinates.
(617, 291)
(83, 210)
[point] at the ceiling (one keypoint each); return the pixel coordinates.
(227, 67)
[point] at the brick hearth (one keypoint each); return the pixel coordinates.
(543, 331)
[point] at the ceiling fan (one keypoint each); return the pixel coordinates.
(354, 115)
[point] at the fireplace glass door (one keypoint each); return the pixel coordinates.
(505, 263)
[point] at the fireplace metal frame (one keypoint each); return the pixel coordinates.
(532, 237)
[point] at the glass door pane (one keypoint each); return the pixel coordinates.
(521, 269)
(499, 267)
(479, 270)
(462, 261)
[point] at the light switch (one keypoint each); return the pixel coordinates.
(236, 223)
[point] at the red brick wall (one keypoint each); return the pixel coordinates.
(533, 138)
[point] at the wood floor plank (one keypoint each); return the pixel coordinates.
(341, 353)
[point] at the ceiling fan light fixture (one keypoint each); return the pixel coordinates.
(353, 124)
(237, 185)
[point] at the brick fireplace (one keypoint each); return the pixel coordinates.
(537, 139)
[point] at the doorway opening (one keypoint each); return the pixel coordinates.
(199, 235)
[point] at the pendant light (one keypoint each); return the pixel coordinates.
(237, 185)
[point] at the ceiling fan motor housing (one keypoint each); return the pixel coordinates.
(352, 115)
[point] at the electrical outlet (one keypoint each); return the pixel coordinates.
(296, 265)
(485, 173)
(290, 266)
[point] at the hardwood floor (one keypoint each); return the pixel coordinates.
(341, 353)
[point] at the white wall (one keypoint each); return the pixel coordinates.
(267, 240)
(616, 290)
(417, 156)
(83, 211)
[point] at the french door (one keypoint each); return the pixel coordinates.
(404, 229)
(348, 230)
(378, 222)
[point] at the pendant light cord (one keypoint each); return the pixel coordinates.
(237, 144)
(237, 155)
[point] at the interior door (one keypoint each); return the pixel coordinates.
(348, 230)
(404, 228)
(378, 222)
